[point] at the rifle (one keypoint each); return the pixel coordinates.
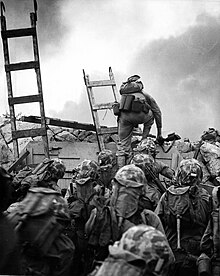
(196, 153)
(41, 167)
(155, 179)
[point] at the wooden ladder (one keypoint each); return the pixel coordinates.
(100, 130)
(9, 67)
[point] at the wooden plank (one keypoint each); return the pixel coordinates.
(22, 66)
(69, 157)
(103, 106)
(18, 161)
(108, 130)
(25, 99)
(114, 130)
(100, 83)
(28, 133)
(58, 122)
(18, 33)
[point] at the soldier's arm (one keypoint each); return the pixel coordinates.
(155, 109)
(153, 220)
(160, 209)
(206, 244)
(165, 170)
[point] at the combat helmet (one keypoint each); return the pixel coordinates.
(106, 158)
(189, 172)
(142, 159)
(146, 246)
(56, 169)
(87, 170)
(133, 78)
(146, 163)
(147, 146)
(130, 176)
(127, 188)
(211, 134)
(87, 174)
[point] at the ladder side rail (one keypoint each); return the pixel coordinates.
(33, 18)
(114, 88)
(9, 86)
(98, 127)
(94, 114)
(96, 118)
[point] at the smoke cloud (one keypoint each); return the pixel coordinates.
(176, 56)
(182, 73)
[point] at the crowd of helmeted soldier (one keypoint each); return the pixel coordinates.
(110, 220)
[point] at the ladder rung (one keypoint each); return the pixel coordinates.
(25, 99)
(22, 66)
(114, 130)
(16, 134)
(101, 83)
(18, 161)
(108, 130)
(103, 106)
(18, 32)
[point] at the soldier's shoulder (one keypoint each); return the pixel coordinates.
(204, 194)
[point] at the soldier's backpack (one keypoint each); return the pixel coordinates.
(35, 220)
(107, 223)
(28, 177)
(184, 211)
(178, 210)
(131, 87)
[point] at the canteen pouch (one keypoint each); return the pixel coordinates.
(126, 102)
(137, 106)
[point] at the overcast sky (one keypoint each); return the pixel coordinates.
(173, 45)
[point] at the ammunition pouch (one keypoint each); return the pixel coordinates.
(129, 103)
(116, 109)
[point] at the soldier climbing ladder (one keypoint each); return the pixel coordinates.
(9, 67)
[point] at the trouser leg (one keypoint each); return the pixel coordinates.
(147, 126)
(125, 134)
(125, 130)
(146, 132)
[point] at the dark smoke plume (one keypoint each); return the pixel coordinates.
(50, 27)
(183, 74)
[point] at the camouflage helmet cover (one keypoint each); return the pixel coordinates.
(148, 145)
(209, 134)
(145, 243)
(133, 78)
(141, 159)
(189, 171)
(105, 157)
(57, 169)
(131, 176)
(88, 169)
